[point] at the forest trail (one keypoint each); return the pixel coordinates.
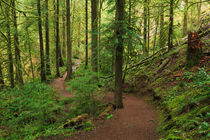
(59, 83)
(136, 121)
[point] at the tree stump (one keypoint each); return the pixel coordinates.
(194, 50)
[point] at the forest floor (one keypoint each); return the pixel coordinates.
(136, 121)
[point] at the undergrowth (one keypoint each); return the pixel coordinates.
(28, 112)
(86, 87)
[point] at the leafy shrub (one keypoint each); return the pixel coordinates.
(84, 85)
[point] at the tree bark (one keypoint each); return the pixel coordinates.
(145, 51)
(120, 13)
(19, 75)
(86, 36)
(194, 50)
(9, 49)
(1, 78)
(69, 47)
(185, 29)
(199, 12)
(162, 37)
(43, 76)
(58, 45)
(64, 35)
(171, 20)
(148, 24)
(94, 24)
(48, 71)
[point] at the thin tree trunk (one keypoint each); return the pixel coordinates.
(64, 35)
(69, 55)
(79, 33)
(199, 12)
(148, 23)
(156, 30)
(170, 38)
(120, 10)
(9, 49)
(86, 42)
(57, 42)
(29, 51)
(94, 23)
(48, 71)
(1, 78)
(145, 52)
(19, 75)
(185, 29)
(43, 76)
(162, 38)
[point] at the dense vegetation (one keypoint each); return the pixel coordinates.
(147, 47)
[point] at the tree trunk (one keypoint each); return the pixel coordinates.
(171, 20)
(48, 71)
(1, 78)
(9, 49)
(162, 37)
(185, 29)
(19, 75)
(194, 50)
(58, 45)
(64, 35)
(69, 55)
(145, 51)
(94, 23)
(148, 18)
(43, 76)
(156, 30)
(199, 13)
(120, 10)
(79, 34)
(86, 42)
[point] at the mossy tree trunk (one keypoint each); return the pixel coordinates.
(194, 50)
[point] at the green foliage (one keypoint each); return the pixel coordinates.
(188, 104)
(29, 112)
(84, 85)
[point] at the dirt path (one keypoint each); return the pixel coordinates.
(137, 121)
(59, 83)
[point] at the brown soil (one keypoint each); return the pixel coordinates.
(136, 121)
(60, 86)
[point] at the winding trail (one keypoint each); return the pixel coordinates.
(136, 121)
(59, 83)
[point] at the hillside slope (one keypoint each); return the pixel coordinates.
(182, 95)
